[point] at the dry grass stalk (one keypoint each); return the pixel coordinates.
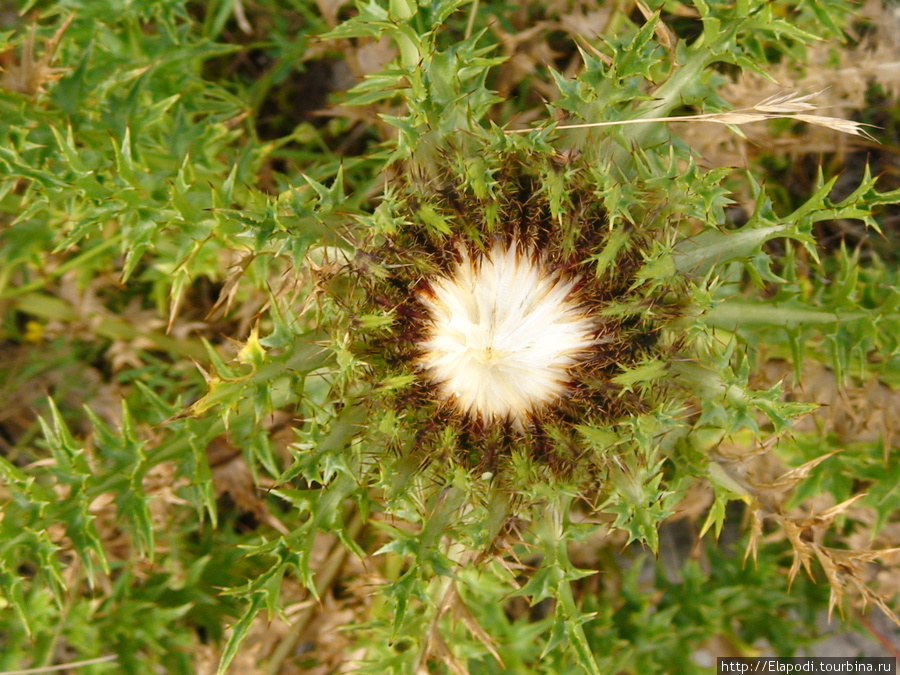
(62, 666)
(781, 106)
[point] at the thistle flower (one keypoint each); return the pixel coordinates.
(503, 334)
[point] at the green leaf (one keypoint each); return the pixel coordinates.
(239, 631)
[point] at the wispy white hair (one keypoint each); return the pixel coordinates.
(504, 332)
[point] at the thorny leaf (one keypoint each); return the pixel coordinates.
(843, 568)
(29, 76)
(212, 131)
(665, 35)
(846, 568)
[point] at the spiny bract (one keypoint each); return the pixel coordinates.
(504, 331)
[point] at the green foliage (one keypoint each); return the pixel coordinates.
(214, 408)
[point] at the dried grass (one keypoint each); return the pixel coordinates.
(780, 106)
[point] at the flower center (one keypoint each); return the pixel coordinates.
(489, 356)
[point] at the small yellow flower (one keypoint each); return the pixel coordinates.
(34, 332)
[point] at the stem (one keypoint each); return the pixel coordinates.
(733, 313)
(877, 634)
(470, 25)
(61, 666)
(48, 306)
(75, 262)
(443, 590)
(552, 535)
(325, 577)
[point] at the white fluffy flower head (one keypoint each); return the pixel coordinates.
(503, 335)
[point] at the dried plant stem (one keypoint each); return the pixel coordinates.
(782, 106)
(878, 635)
(470, 24)
(61, 666)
